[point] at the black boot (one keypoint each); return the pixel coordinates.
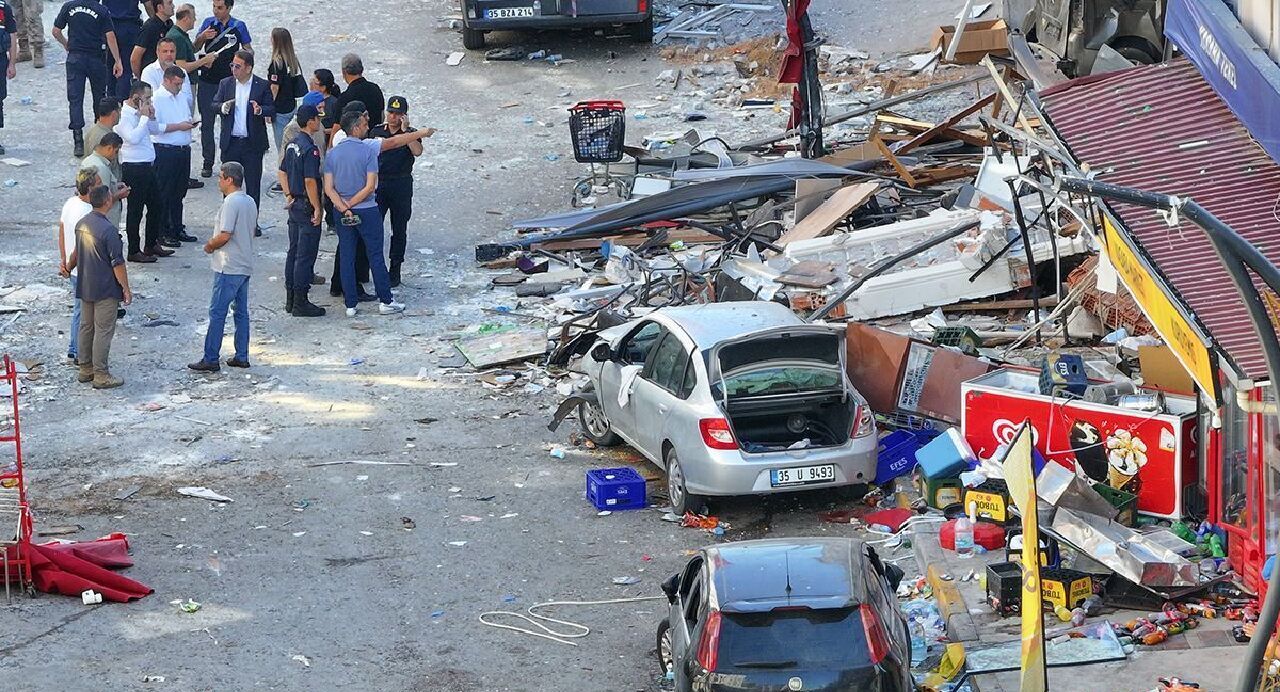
(77, 138)
(303, 307)
(394, 273)
(289, 301)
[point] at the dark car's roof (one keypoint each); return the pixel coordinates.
(752, 576)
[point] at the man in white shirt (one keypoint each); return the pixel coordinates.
(137, 164)
(245, 104)
(73, 210)
(173, 154)
(166, 57)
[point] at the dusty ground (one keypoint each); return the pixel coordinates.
(313, 561)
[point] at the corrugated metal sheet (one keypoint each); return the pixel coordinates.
(1161, 128)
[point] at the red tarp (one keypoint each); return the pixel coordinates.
(793, 59)
(72, 568)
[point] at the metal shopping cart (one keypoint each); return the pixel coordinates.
(598, 129)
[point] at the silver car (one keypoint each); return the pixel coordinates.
(737, 398)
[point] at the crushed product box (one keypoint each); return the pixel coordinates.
(977, 40)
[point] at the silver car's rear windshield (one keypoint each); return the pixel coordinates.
(779, 377)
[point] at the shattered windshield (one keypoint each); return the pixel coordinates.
(783, 379)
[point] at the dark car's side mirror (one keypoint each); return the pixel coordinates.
(670, 585)
(601, 352)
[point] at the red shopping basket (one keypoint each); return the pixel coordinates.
(598, 129)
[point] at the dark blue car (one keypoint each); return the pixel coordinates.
(786, 614)
(482, 16)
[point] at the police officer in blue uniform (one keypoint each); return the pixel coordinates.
(395, 181)
(127, 17)
(8, 55)
(90, 26)
(302, 181)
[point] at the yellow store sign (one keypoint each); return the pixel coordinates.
(1183, 338)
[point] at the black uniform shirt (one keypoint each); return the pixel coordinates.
(369, 94)
(301, 161)
(89, 23)
(393, 163)
(8, 23)
(124, 10)
(153, 30)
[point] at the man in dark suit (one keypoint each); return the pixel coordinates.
(244, 100)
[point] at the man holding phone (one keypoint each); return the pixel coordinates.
(173, 154)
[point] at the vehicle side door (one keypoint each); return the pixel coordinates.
(660, 392)
(685, 623)
(628, 359)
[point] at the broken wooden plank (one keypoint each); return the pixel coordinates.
(900, 169)
(823, 219)
(947, 124)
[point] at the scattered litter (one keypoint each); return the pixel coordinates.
(306, 662)
(127, 493)
(407, 523)
(90, 597)
(457, 544)
(153, 678)
(361, 462)
(626, 581)
(470, 518)
(187, 606)
(455, 58)
(203, 493)
(299, 534)
(16, 162)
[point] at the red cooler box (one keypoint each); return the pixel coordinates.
(1151, 454)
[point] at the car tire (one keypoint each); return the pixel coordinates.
(642, 32)
(663, 646)
(472, 39)
(1137, 50)
(681, 501)
(596, 426)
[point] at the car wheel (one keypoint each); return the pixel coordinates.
(595, 425)
(642, 32)
(472, 39)
(1137, 50)
(664, 646)
(681, 500)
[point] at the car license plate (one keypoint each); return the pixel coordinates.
(801, 475)
(508, 12)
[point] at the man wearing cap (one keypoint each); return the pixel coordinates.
(301, 180)
(395, 180)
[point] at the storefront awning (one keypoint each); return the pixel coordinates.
(1162, 128)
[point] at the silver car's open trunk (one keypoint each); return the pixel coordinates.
(784, 388)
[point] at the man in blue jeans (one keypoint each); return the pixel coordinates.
(350, 179)
(231, 248)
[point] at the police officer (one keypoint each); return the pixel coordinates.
(90, 26)
(127, 17)
(8, 55)
(302, 181)
(395, 180)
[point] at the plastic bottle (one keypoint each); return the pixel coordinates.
(919, 646)
(964, 533)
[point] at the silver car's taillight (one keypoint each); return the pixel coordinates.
(865, 422)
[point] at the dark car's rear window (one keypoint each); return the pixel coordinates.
(826, 639)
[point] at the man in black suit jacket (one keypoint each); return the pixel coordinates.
(245, 103)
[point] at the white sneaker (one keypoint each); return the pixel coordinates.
(351, 312)
(390, 308)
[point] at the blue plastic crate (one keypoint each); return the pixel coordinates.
(896, 455)
(620, 488)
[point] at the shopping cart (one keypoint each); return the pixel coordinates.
(598, 129)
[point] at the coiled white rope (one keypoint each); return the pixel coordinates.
(575, 630)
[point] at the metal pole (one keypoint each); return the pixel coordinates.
(1235, 253)
(1026, 247)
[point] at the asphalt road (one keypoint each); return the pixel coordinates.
(309, 579)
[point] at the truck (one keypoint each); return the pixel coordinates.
(1074, 33)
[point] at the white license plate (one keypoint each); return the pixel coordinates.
(508, 12)
(801, 475)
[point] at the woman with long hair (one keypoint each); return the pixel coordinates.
(323, 83)
(285, 76)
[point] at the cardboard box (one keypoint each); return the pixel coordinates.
(978, 39)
